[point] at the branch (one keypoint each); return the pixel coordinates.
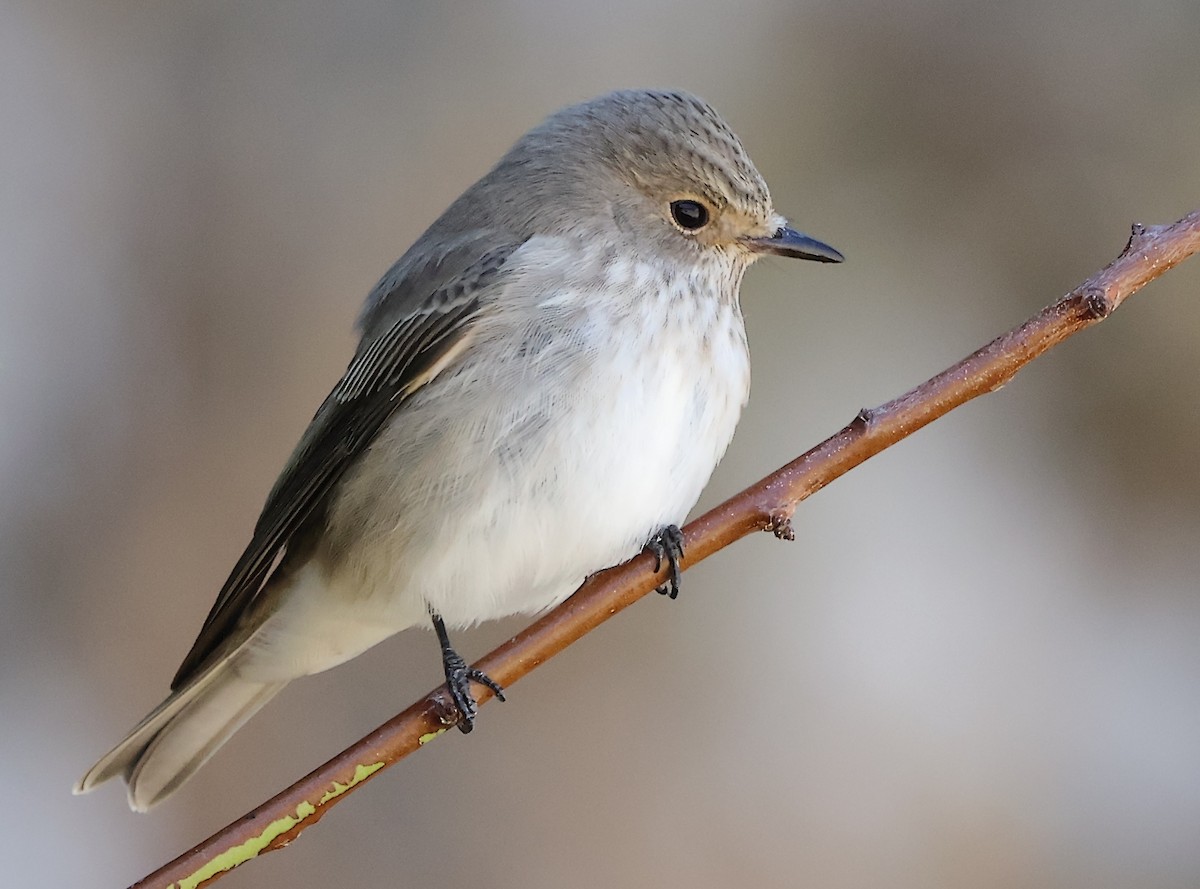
(765, 506)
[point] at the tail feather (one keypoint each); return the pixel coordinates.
(179, 736)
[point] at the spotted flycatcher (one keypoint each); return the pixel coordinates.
(545, 382)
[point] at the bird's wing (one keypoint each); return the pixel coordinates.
(417, 323)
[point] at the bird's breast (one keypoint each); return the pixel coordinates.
(578, 426)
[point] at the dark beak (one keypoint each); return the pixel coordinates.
(789, 242)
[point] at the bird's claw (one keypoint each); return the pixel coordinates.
(458, 682)
(459, 678)
(668, 544)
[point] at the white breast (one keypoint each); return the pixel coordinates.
(588, 413)
(632, 431)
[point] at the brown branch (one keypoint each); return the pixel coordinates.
(767, 505)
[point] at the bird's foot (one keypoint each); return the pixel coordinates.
(668, 544)
(459, 678)
(458, 681)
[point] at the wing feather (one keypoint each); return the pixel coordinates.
(423, 324)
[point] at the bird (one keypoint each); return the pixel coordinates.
(545, 381)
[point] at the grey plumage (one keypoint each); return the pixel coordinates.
(546, 378)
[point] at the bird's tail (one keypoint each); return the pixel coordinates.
(179, 736)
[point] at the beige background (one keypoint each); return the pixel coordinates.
(977, 666)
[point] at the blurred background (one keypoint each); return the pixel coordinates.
(976, 666)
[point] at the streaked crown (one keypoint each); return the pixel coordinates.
(620, 161)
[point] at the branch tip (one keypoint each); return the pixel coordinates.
(1137, 232)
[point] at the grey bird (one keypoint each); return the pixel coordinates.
(545, 382)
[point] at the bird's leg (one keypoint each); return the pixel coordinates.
(668, 544)
(459, 677)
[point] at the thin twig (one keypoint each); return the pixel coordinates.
(767, 505)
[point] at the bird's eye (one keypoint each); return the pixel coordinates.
(689, 215)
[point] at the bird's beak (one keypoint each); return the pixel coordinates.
(789, 242)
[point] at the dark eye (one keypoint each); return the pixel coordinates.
(689, 215)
